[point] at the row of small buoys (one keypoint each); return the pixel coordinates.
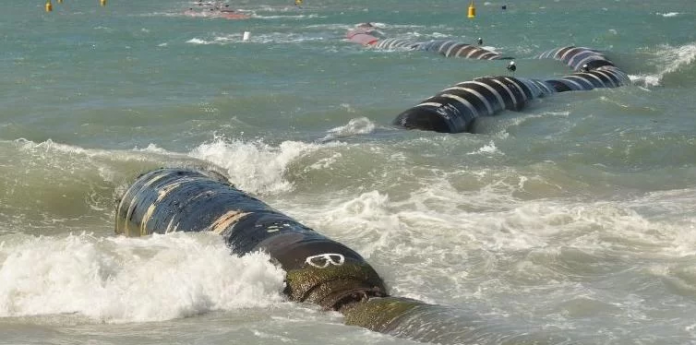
(49, 6)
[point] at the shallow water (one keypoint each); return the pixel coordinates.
(572, 217)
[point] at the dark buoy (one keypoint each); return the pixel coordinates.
(504, 7)
(512, 67)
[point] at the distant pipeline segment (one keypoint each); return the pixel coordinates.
(577, 57)
(593, 70)
(453, 110)
(449, 48)
(368, 36)
(319, 270)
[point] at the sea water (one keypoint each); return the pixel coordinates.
(573, 216)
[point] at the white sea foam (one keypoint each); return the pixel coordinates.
(48, 145)
(255, 167)
(356, 126)
(487, 149)
(405, 26)
(668, 14)
(435, 230)
(277, 38)
(130, 280)
(439, 35)
(647, 80)
(219, 40)
(198, 41)
(295, 16)
(668, 60)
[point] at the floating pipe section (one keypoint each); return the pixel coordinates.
(449, 48)
(319, 270)
(453, 110)
(395, 43)
(365, 34)
(362, 35)
(593, 70)
(604, 77)
(577, 57)
(405, 317)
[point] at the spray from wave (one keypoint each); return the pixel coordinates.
(668, 14)
(255, 167)
(669, 60)
(131, 280)
(354, 127)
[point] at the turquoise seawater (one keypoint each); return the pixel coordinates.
(572, 217)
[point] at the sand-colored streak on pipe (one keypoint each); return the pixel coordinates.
(319, 270)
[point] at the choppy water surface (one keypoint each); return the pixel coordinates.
(572, 217)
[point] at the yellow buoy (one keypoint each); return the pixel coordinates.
(472, 10)
(102, 2)
(49, 6)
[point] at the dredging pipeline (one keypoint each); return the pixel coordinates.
(416, 320)
(453, 110)
(592, 70)
(319, 270)
(368, 36)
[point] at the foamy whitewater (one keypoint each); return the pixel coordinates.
(573, 217)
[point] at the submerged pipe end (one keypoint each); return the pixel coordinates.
(335, 288)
